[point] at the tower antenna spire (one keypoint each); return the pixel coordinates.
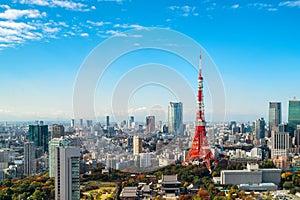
(200, 68)
(200, 151)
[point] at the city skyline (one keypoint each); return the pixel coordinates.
(253, 45)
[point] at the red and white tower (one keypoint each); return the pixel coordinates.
(200, 150)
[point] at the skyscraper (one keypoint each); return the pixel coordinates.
(130, 122)
(57, 131)
(175, 118)
(67, 173)
(280, 144)
(72, 123)
(294, 116)
(53, 144)
(150, 124)
(38, 134)
(107, 121)
(275, 115)
(89, 123)
(29, 156)
(137, 145)
(260, 128)
(81, 123)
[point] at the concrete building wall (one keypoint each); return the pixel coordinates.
(237, 177)
(271, 176)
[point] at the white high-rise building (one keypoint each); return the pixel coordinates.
(72, 124)
(175, 118)
(53, 144)
(280, 144)
(145, 160)
(29, 157)
(67, 185)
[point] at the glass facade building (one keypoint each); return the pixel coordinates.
(175, 118)
(293, 116)
(275, 114)
(39, 134)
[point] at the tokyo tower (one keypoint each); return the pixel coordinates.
(200, 150)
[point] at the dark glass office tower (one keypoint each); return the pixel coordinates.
(275, 115)
(38, 134)
(294, 116)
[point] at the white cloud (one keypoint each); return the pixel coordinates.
(16, 25)
(116, 33)
(235, 6)
(68, 4)
(84, 34)
(290, 3)
(118, 1)
(7, 32)
(101, 23)
(4, 6)
(266, 6)
(13, 14)
(132, 26)
(58, 3)
(35, 2)
(184, 11)
(13, 33)
(272, 9)
(51, 30)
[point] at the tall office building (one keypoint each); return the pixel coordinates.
(297, 137)
(57, 131)
(294, 116)
(81, 123)
(38, 134)
(260, 128)
(72, 123)
(137, 145)
(280, 144)
(211, 137)
(89, 123)
(130, 122)
(53, 144)
(175, 118)
(275, 115)
(107, 121)
(150, 124)
(67, 173)
(29, 156)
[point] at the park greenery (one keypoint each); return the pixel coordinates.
(98, 185)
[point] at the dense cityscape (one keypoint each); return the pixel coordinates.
(149, 100)
(252, 159)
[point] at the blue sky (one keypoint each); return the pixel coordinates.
(254, 44)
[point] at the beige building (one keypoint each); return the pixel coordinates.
(137, 145)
